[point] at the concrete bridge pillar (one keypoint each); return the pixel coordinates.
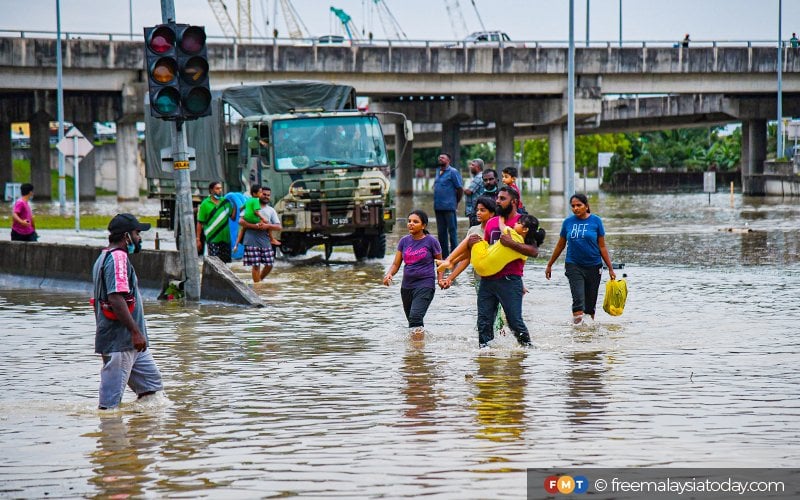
(404, 161)
(754, 152)
(504, 142)
(451, 142)
(5, 153)
(127, 162)
(86, 174)
(557, 164)
(40, 156)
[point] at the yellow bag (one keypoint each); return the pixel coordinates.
(616, 295)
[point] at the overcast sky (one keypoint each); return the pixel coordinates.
(432, 20)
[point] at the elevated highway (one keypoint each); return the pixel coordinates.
(510, 92)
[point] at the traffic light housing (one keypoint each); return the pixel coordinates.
(177, 71)
(193, 68)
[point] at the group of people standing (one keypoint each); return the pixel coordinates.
(257, 220)
(500, 238)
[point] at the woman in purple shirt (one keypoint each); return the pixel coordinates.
(418, 251)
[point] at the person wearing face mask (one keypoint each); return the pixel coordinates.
(121, 335)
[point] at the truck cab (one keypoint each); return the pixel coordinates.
(328, 172)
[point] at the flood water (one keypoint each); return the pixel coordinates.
(322, 394)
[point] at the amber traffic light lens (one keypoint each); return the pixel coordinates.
(195, 69)
(164, 70)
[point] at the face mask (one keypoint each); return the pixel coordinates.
(216, 196)
(134, 247)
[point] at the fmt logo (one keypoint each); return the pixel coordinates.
(566, 484)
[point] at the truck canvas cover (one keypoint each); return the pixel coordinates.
(205, 134)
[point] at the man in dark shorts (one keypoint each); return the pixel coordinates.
(258, 250)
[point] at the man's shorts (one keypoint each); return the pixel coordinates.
(134, 369)
(221, 250)
(256, 256)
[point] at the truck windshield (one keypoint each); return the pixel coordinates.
(328, 143)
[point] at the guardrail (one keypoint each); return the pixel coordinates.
(579, 44)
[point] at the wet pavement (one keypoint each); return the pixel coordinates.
(322, 394)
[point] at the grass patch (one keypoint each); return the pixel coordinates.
(88, 222)
(21, 172)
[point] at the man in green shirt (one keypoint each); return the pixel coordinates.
(212, 219)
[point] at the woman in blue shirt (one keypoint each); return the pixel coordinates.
(586, 253)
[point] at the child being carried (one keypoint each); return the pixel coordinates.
(487, 259)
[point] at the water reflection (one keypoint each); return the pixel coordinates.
(125, 450)
(500, 397)
(587, 399)
(420, 379)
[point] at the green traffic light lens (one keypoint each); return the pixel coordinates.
(195, 69)
(166, 101)
(193, 39)
(162, 39)
(197, 101)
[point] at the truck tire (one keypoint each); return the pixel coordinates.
(376, 246)
(360, 248)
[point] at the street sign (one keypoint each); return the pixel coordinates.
(168, 165)
(71, 147)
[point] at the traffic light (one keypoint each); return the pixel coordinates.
(193, 67)
(162, 72)
(177, 71)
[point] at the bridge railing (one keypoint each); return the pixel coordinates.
(579, 44)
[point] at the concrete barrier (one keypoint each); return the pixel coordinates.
(57, 266)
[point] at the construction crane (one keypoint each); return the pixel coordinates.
(220, 11)
(244, 26)
(390, 25)
(293, 21)
(347, 22)
(479, 15)
(456, 16)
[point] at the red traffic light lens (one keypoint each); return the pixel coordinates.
(195, 69)
(193, 39)
(162, 39)
(166, 101)
(164, 70)
(197, 100)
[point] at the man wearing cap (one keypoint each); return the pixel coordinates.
(121, 335)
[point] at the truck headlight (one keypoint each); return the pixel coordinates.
(288, 220)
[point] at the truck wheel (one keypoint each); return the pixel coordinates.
(360, 248)
(377, 246)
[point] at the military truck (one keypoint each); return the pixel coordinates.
(324, 160)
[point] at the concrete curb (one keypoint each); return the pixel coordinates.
(61, 266)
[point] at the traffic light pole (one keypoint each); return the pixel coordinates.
(183, 205)
(183, 192)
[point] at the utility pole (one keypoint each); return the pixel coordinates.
(587, 23)
(183, 194)
(62, 182)
(569, 177)
(779, 152)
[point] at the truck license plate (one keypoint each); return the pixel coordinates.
(338, 221)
